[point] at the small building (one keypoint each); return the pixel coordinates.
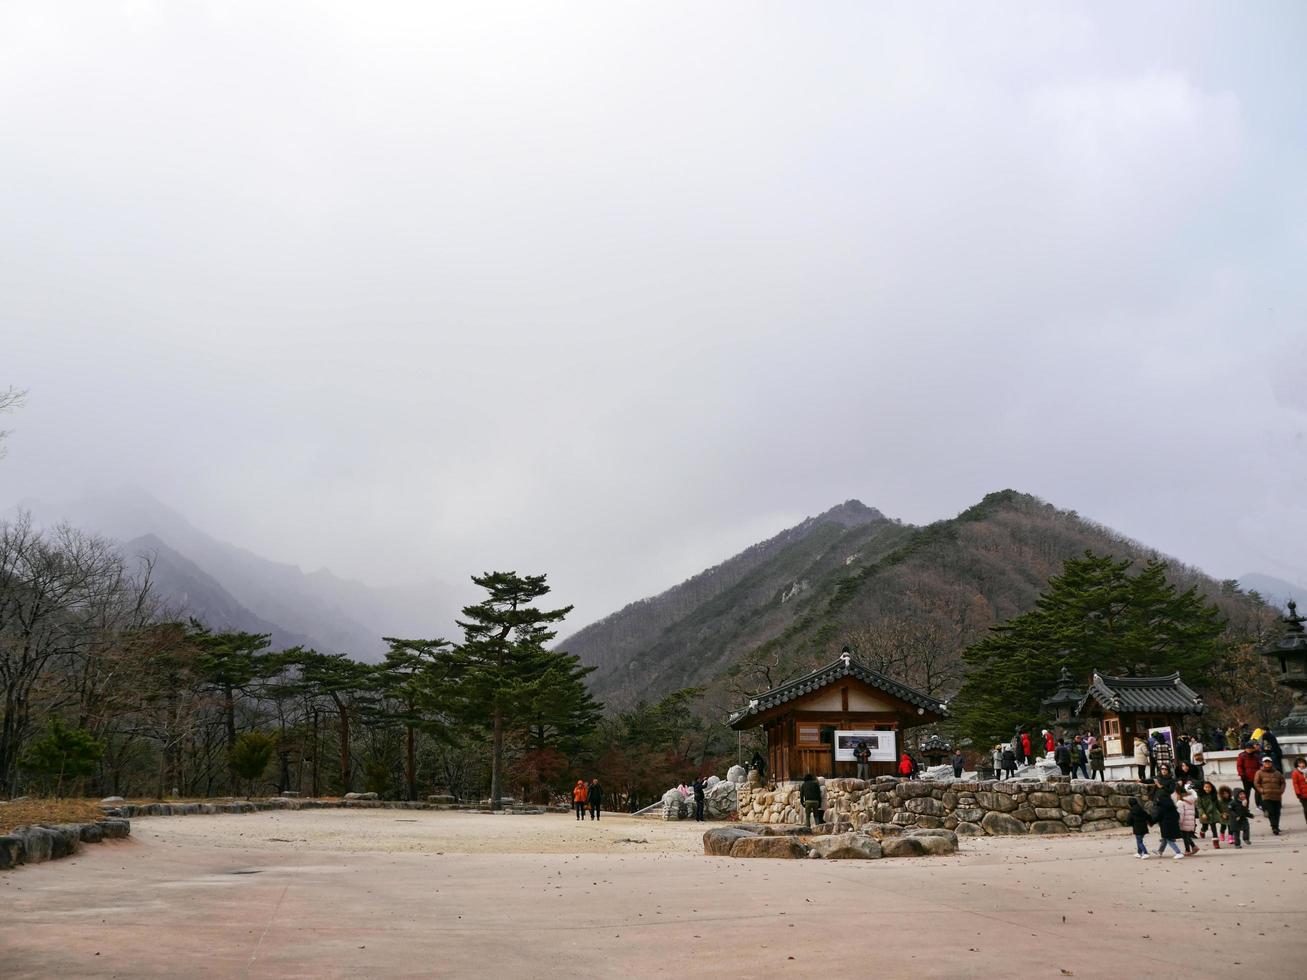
(1127, 708)
(815, 722)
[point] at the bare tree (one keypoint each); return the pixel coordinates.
(10, 399)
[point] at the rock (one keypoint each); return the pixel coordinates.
(113, 799)
(1048, 812)
(927, 805)
(903, 818)
(928, 821)
(13, 851)
(114, 827)
(844, 847)
(1025, 813)
(1089, 826)
(947, 835)
(938, 774)
(999, 824)
(769, 847)
(736, 774)
(67, 839)
(1075, 803)
(363, 796)
(969, 814)
(90, 833)
(443, 799)
(903, 847)
(1071, 820)
(938, 845)
(713, 781)
(718, 841)
(1048, 827)
(38, 844)
(1100, 813)
(969, 829)
(1042, 799)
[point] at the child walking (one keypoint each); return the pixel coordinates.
(1212, 813)
(1139, 821)
(1185, 801)
(1239, 816)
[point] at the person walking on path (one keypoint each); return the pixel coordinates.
(1271, 746)
(1096, 760)
(1139, 821)
(579, 794)
(1168, 823)
(959, 764)
(1300, 783)
(1186, 803)
(1079, 758)
(595, 798)
(699, 799)
(1247, 765)
(1062, 756)
(1269, 784)
(1141, 757)
(1211, 813)
(1240, 816)
(862, 756)
(1009, 763)
(810, 797)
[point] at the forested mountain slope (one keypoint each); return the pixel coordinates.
(908, 599)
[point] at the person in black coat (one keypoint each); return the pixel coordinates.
(1062, 756)
(810, 798)
(1271, 747)
(1139, 821)
(698, 799)
(1009, 763)
(1168, 824)
(595, 799)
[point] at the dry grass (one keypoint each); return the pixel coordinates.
(47, 811)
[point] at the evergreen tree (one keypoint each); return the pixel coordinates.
(64, 753)
(418, 677)
(250, 756)
(350, 687)
(1094, 615)
(506, 671)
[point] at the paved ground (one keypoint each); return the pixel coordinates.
(388, 893)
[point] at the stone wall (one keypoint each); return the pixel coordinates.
(1053, 806)
(48, 842)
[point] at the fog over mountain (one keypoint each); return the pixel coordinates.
(413, 291)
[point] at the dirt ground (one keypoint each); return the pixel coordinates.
(395, 893)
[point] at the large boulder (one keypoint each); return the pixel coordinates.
(673, 805)
(114, 827)
(769, 847)
(718, 841)
(915, 846)
(1048, 827)
(844, 847)
(38, 844)
(927, 805)
(947, 835)
(720, 800)
(737, 774)
(369, 796)
(999, 824)
(13, 851)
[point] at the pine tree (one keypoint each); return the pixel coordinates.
(64, 753)
(1094, 615)
(250, 756)
(418, 677)
(506, 669)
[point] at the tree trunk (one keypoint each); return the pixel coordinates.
(410, 764)
(496, 759)
(344, 750)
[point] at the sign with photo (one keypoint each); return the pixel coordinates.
(1162, 735)
(880, 745)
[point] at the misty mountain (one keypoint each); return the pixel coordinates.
(920, 594)
(1276, 591)
(187, 590)
(328, 612)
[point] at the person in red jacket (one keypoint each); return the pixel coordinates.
(1250, 761)
(1025, 747)
(1300, 784)
(1049, 743)
(905, 766)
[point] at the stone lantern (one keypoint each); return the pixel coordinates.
(1290, 653)
(1061, 707)
(936, 749)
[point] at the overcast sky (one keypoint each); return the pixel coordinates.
(612, 290)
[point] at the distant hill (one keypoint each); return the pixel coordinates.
(907, 598)
(187, 590)
(1276, 591)
(330, 613)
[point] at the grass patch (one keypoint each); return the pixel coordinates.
(23, 812)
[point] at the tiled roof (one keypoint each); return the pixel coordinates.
(844, 666)
(1163, 695)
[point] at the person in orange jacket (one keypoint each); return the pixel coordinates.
(1300, 783)
(580, 794)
